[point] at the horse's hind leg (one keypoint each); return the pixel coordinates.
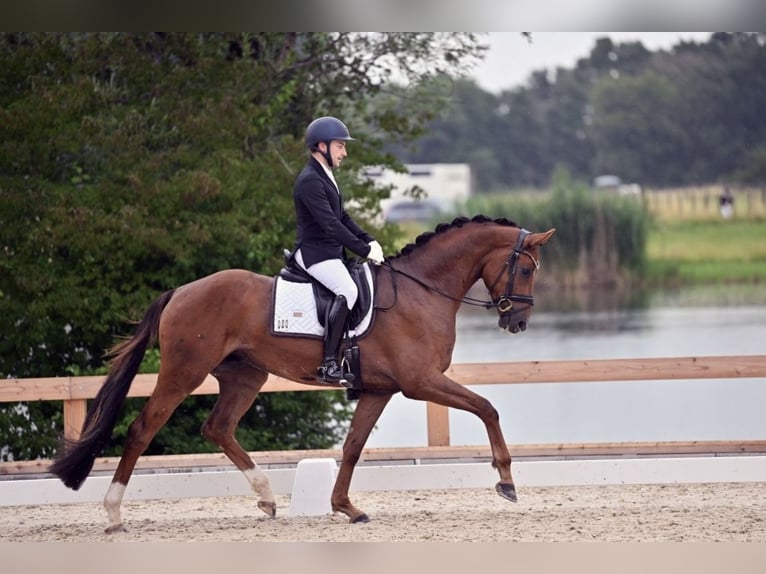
(156, 412)
(238, 389)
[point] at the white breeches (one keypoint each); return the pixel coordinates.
(332, 273)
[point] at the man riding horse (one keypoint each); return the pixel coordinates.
(324, 229)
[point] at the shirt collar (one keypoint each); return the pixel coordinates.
(329, 173)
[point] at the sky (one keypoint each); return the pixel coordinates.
(511, 58)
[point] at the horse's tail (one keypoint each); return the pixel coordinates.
(75, 460)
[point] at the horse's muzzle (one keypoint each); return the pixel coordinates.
(518, 327)
(506, 324)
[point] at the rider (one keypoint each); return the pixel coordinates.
(324, 228)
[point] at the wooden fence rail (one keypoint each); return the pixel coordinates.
(75, 391)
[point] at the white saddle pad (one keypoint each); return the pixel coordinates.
(295, 311)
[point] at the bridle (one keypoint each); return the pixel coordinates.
(504, 303)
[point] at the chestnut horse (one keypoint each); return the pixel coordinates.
(220, 324)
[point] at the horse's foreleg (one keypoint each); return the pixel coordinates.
(367, 412)
(237, 393)
(150, 420)
(444, 391)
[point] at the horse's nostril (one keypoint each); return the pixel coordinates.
(522, 325)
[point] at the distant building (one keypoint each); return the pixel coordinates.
(443, 184)
(614, 184)
(607, 182)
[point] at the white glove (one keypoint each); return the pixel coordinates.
(376, 253)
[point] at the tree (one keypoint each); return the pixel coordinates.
(636, 131)
(724, 90)
(131, 163)
(465, 135)
(689, 115)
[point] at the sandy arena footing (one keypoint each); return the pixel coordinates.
(734, 512)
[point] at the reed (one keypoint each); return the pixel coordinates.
(600, 238)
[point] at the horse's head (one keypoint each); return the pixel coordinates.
(509, 274)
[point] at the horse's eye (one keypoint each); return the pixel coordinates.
(526, 272)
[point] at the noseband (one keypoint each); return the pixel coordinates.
(504, 303)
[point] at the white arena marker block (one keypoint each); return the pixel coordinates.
(312, 487)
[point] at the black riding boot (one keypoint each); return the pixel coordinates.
(335, 325)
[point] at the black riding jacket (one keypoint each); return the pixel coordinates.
(323, 227)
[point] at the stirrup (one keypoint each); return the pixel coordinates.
(331, 372)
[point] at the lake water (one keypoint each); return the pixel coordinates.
(689, 322)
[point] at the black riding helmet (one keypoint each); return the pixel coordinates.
(326, 129)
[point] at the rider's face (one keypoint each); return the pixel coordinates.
(338, 151)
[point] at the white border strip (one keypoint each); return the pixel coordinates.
(402, 477)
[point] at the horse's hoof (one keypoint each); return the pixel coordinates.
(507, 490)
(115, 528)
(360, 519)
(269, 508)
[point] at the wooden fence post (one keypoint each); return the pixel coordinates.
(438, 424)
(74, 417)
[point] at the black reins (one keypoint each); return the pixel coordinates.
(504, 303)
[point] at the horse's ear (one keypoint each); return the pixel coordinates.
(538, 239)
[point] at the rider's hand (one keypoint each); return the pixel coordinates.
(376, 253)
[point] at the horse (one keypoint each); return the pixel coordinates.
(219, 325)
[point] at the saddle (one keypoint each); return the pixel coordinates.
(324, 297)
(293, 293)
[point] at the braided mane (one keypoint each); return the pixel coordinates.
(425, 237)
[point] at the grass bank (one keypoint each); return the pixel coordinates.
(706, 251)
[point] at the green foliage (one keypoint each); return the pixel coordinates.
(635, 129)
(132, 163)
(30, 430)
(753, 169)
